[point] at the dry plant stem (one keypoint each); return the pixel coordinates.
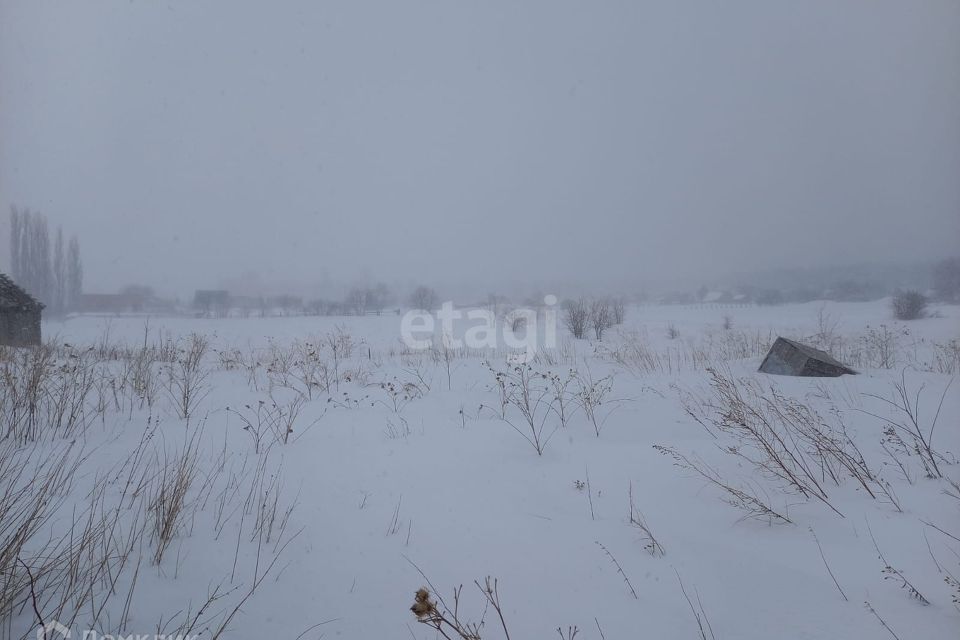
(590, 495)
(896, 574)
(827, 565)
(651, 544)
(599, 630)
(908, 404)
(703, 623)
(33, 595)
(949, 535)
(444, 619)
(740, 497)
(882, 621)
(633, 591)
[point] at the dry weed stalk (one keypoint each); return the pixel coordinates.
(650, 542)
(907, 405)
(785, 439)
(741, 497)
(432, 610)
(530, 393)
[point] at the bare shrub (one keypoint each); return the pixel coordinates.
(786, 439)
(946, 357)
(187, 377)
(309, 368)
(590, 397)
(49, 392)
(877, 347)
(530, 394)
(908, 305)
(564, 404)
(576, 316)
(827, 336)
(399, 394)
(272, 421)
(168, 496)
(442, 353)
(672, 332)
(341, 345)
(139, 373)
(601, 317)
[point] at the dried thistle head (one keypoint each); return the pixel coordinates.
(423, 607)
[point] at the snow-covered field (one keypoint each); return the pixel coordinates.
(404, 462)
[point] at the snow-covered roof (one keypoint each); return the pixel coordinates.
(13, 297)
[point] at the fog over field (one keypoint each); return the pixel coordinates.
(542, 142)
(479, 320)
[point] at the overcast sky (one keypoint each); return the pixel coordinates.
(186, 142)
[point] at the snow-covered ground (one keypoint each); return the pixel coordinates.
(404, 462)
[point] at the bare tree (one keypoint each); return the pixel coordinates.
(74, 274)
(423, 298)
(618, 309)
(377, 297)
(575, 317)
(59, 275)
(40, 237)
(601, 318)
(356, 301)
(30, 251)
(497, 303)
(16, 235)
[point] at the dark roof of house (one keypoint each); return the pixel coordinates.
(810, 352)
(13, 297)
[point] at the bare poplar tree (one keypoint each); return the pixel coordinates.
(74, 274)
(42, 268)
(25, 268)
(59, 275)
(618, 309)
(40, 250)
(16, 233)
